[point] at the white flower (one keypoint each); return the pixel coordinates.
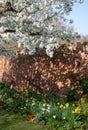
(33, 103)
(48, 105)
(57, 45)
(41, 45)
(43, 109)
(1, 29)
(24, 107)
(49, 46)
(49, 53)
(64, 118)
(44, 105)
(51, 40)
(54, 116)
(48, 110)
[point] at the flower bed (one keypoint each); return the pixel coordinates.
(49, 110)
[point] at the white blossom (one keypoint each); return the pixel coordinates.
(34, 24)
(54, 116)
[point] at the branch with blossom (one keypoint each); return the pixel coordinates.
(33, 24)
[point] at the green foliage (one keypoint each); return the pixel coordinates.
(84, 103)
(84, 86)
(72, 95)
(2, 85)
(49, 110)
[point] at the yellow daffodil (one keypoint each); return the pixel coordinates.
(33, 119)
(73, 105)
(61, 106)
(73, 112)
(77, 110)
(67, 105)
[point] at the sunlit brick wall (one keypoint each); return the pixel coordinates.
(56, 75)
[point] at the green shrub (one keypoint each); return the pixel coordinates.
(84, 86)
(2, 85)
(72, 95)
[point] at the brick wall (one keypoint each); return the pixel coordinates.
(56, 75)
(4, 65)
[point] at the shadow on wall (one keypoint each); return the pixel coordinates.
(50, 75)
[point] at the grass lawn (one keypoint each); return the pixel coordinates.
(16, 122)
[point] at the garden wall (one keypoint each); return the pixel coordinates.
(56, 75)
(4, 65)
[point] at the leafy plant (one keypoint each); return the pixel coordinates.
(84, 86)
(2, 85)
(72, 95)
(47, 110)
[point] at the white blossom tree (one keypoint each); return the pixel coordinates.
(31, 23)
